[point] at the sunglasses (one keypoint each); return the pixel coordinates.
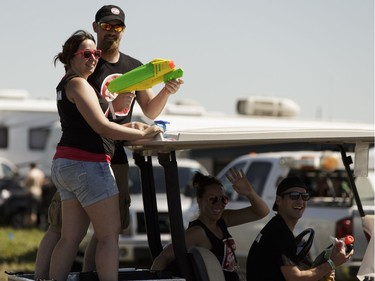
(107, 27)
(214, 199)
(88, 53)
(296, 195)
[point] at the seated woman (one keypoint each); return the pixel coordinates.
(210, 229)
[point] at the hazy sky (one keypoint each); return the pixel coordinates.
(319, 53)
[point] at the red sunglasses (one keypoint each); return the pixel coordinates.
(88, 53)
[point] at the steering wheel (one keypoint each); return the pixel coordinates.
(303, 244)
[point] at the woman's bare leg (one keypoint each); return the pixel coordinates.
(74, 227)
(105, 217)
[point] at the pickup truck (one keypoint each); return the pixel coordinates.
(331, 211)
(202, 266)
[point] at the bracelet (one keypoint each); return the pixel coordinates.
(331, 264)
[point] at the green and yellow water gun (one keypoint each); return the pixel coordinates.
(145, 76)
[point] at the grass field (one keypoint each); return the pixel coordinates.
(18, 248)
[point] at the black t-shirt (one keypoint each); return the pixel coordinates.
(76, 132)
(106, 71)
(273, 247)
(103, 74)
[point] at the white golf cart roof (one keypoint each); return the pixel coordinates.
(360, 138)
(241, 136)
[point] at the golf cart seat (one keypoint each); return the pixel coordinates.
(205, 264)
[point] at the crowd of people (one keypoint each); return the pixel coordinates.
(90, 172)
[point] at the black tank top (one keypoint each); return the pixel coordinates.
(76, 132)
(223, 249)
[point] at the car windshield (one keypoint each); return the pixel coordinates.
(6, 171)
(257, 174)
(185, 175)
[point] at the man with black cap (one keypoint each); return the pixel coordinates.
(109, 26)
(273, 254)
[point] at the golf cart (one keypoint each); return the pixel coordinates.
(198, 263)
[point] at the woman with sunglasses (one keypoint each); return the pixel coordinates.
(273, 254)
(210, 229)
(81, 166)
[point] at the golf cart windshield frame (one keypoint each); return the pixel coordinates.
(166, 151)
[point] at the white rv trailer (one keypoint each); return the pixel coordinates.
(25, 126)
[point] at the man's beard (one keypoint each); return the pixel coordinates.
(110, 45)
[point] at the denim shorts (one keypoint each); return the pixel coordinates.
(89, 182)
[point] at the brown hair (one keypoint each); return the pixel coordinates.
(200, 182)
(70, 47)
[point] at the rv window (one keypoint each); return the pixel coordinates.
(38, 138)
(3, 137)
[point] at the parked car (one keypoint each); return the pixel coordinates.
(15, 202)
(133, 242)
(7, 169)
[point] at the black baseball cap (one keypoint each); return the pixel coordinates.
(110, 12)
(287, 183)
